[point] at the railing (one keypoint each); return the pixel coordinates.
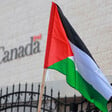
(23, 98)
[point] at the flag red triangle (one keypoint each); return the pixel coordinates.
(58, 47)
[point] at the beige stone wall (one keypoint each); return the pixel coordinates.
(19, 20)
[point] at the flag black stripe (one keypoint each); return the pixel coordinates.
(71, 34)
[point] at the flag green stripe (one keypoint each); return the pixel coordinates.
(75, 80)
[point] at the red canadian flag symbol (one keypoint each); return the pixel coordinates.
(38, 37)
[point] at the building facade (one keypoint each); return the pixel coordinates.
(23, 35)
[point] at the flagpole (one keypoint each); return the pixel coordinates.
(41, 92)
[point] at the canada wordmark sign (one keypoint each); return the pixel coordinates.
(33, 47)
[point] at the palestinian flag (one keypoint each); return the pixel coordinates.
(66, 53)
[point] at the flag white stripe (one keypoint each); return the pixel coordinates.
(91, 73)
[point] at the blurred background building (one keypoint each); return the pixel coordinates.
(22, 57)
